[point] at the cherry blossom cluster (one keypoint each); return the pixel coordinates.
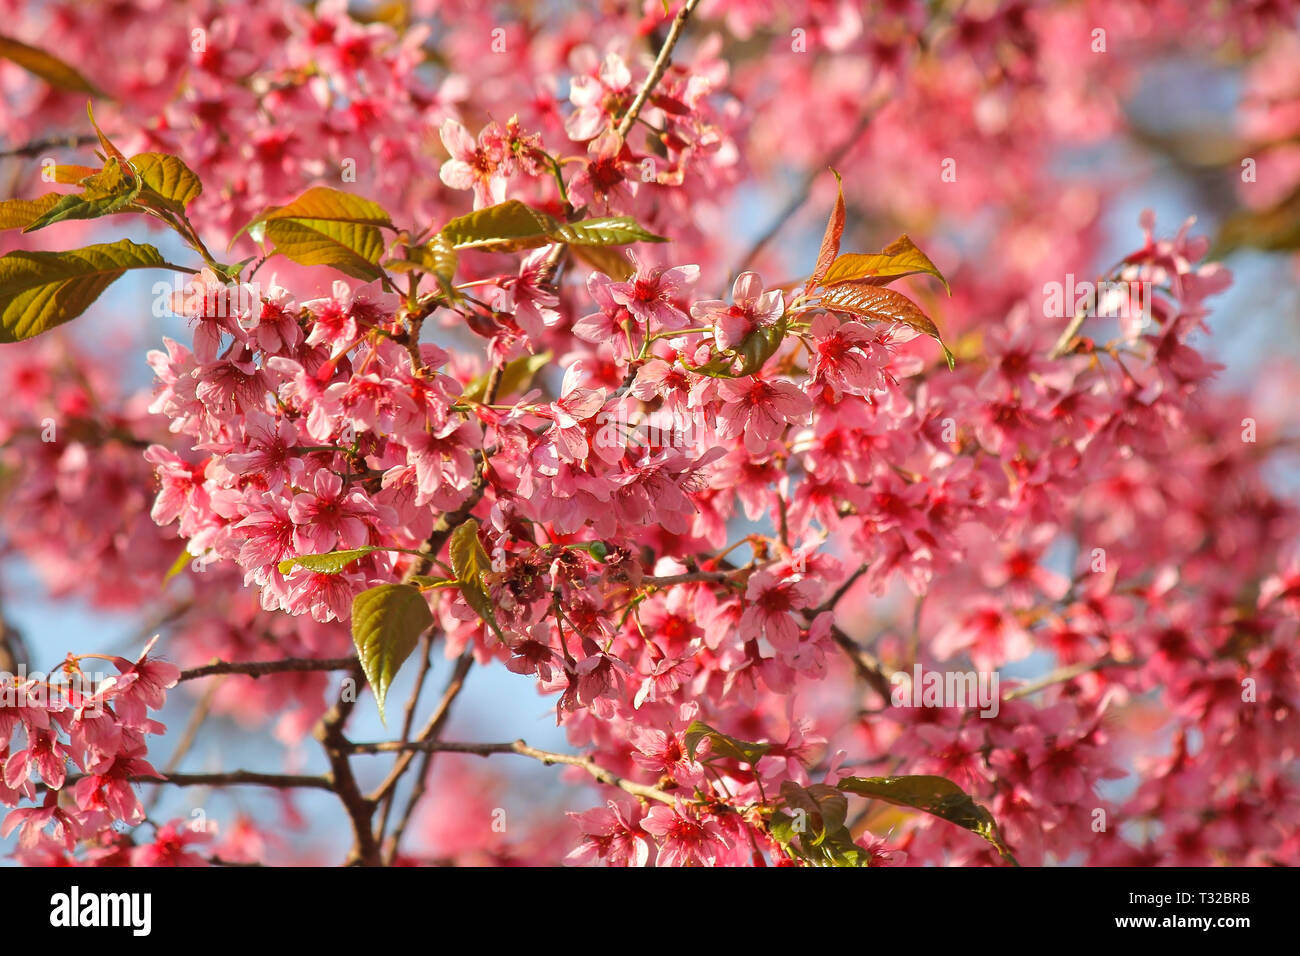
(705, 494)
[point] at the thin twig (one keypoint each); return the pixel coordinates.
(522, 749)
(657, 71)
(262, 668)
(240, 777)
(38, 146)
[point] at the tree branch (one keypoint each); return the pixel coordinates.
(522, 749)
(657, 71)
(262, 668)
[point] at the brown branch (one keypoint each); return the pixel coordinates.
(329, 731)
(239, 778)
(522, 749)
(38, 146)
(262, 668)
(657, 71)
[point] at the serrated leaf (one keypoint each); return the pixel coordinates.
(505, 227)
(608, 231)
(334, 205)
(882, 305)
(41, 290)
(387, 621)
(331, 562)
(353, 249)
(20, 213)
(167, 176)
(469, 560)
(47, 66)
(515, 377)
(513, 225)
(723, 745)
(900, 258)
(328, 227)
(830, 246)
(934, 795)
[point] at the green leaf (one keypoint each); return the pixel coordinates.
(20, 213)
(505, 227)
(41, 290)
(327, 227)
(111, 190)
(869, 301)
(352, 249)
(322, 202)
(609, 231)
(900, 258)
(935, 795)
(469, 560)
(330, 563)
(759, 346)
(168, 177)
(387, 621)
(515, 377)
(830, 246)
(513, 225)
(49, 68)
(723, 744)
(826, 808)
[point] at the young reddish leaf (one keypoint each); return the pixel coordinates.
(882, 305)
(900, 258)
(40, 290)
(387, 621)
(48, 67)
(110, 151)
(935, 795)
(831, 240)
(71, 175)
